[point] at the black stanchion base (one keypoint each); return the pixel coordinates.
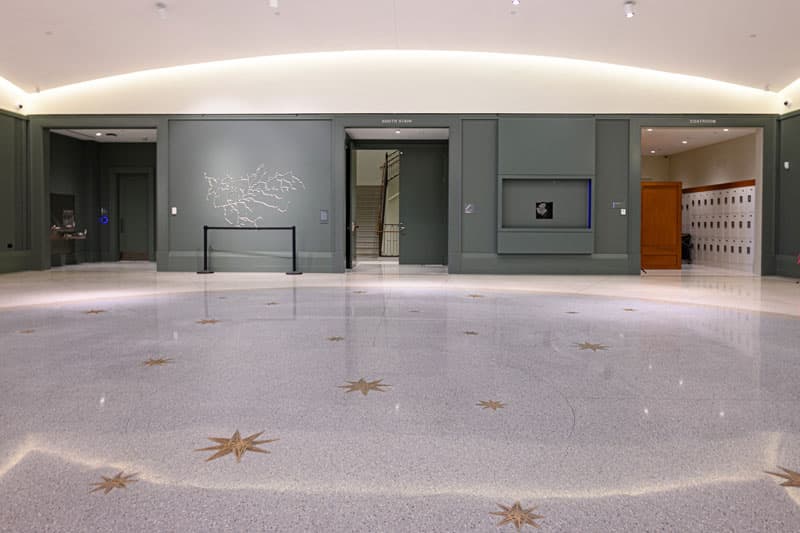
(294, 273)
(206, 272)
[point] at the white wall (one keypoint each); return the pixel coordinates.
(11, 96)
(791, 93)
(402, 82)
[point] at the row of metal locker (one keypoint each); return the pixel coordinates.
(736, 200)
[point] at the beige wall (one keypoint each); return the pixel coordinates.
(368, 164)
(734, 160)
(655, 168)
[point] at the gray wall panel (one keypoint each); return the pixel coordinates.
(14, 188)
(237, 148)
(552, 145)
(611, 233)
(479, 186)
(788, 220)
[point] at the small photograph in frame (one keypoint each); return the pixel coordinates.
(544, 210)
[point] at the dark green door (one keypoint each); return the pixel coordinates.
(423, 205)
(134, 226)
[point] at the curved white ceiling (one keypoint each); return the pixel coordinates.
(47, 44)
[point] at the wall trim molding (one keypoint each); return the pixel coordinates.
(721, 186)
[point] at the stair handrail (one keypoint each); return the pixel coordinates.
(382, 209)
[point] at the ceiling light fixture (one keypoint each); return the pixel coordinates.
(652, 151)
(161, 8)
(514, 2)
(685, 142)
(628, 8)
(397, 132)
(649, 129)
(98, 134)
(726, 129)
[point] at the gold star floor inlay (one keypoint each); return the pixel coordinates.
(27, 331)
(591, 346)
(364, 386)
(236, 445)
(359, 292)
(158, 362)
(792, 478)
(518, 516)
(272, 303)
(572, 313)
(120, 481)
(336, 338)
(629, 309)
(494, 405)
(471, 333)
(207, 321)
(94, 312)
(475, 295)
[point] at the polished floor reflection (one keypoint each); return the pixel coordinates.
(397, 402)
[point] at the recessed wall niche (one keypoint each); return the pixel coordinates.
(546, 203)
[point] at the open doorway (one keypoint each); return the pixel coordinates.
(397, 202)
(102, 195)
(701, 200)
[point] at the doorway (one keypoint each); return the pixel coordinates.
(135, 214)
(701, 192)
(109, 177)
(398, 205)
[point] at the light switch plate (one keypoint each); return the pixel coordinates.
(623, 212)
(323, 216)
(787, 165)
(173, 211)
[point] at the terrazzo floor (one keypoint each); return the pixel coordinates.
(396, 402)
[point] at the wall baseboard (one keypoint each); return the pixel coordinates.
(786, 265)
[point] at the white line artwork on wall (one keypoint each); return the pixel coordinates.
(242, 198)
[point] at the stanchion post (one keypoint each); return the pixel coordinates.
(294, 271)
(205, 251)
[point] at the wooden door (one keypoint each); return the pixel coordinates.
(661, 225)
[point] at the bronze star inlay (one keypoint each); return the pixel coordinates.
(591, 346)
(208, 321)
(28, 331)
(414, 311)
(475, 295)
(335, 338)
(158, 362)
(272, 303)
(629, 309)
(471, 333)
(235, 445)
(518, 516)
(792, 478)
(359, 292)
(494, 405)
(572, 313)
(120, 481)
(94, 312)
(364, 386)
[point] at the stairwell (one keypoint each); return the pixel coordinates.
(368, 203)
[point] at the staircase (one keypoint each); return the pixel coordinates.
(368, 205)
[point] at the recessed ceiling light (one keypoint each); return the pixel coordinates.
(726, 129)
(628, 8)
(649, 129)
(685, 142)
(652, 151)
(515, 2)
(397, 132)
(99, 134)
